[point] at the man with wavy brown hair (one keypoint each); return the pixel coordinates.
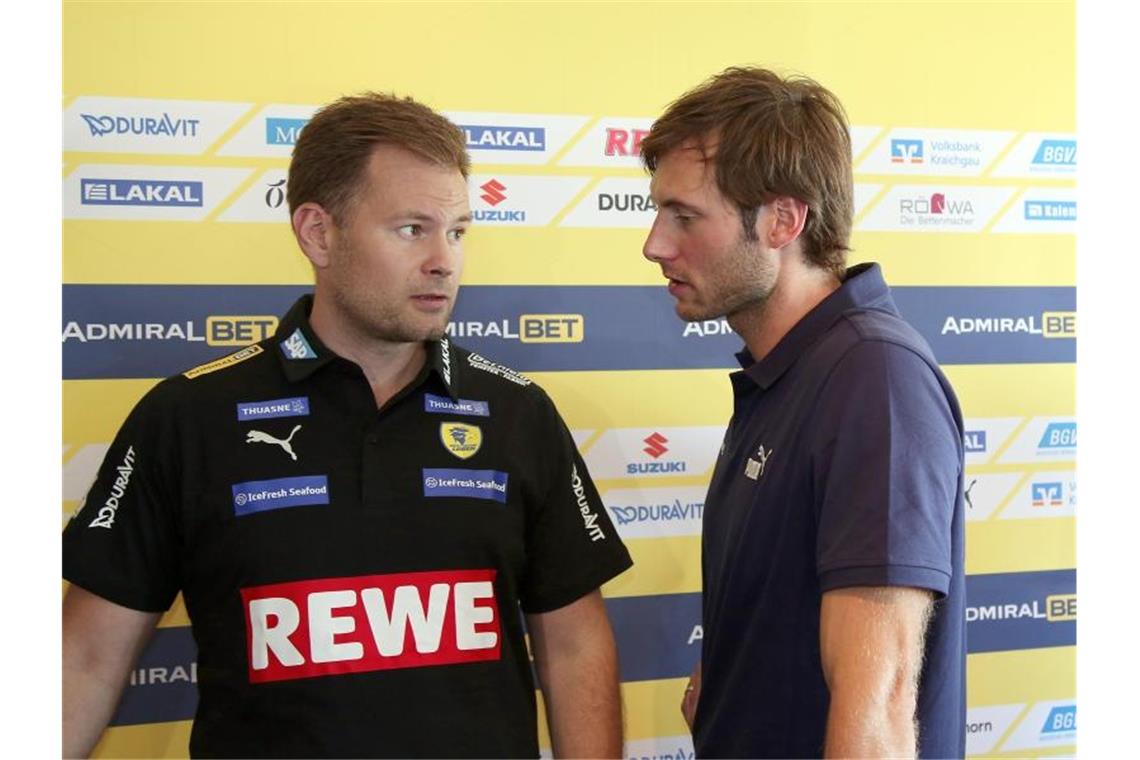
(832, 545)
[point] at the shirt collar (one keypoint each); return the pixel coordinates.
(862, 288)
(302, 353)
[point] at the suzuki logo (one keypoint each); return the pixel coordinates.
(656, 445)
(493, 192)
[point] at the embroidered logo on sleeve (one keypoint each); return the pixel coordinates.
(754, 469)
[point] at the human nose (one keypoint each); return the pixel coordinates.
(444, 256)
(658, 247)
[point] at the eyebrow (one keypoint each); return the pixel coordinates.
(419, 216)
(674, 204)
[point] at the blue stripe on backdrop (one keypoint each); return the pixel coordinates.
(148, 331)
(658, 638)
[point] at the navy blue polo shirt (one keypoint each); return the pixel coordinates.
(842, 466)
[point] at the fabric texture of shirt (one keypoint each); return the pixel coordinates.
(354, 576)
(842, 466)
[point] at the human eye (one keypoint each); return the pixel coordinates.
(411, 230)
(457, 234)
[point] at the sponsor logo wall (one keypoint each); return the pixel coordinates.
(972, 212)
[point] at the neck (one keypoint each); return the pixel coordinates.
(799, 289)
(388, 366)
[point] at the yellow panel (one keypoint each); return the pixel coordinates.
(640, 398)
(152, 740)
(660, 566)
(1015, 390)
(1018, 546)
(1026, 675)
(628, 58)
(93, 410)
(653, 708)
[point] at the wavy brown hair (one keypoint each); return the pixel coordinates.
(769, 136)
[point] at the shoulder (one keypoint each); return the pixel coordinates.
(222, 377)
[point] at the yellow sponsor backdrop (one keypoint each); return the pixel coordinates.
(998, 66)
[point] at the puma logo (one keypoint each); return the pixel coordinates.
(257, 436)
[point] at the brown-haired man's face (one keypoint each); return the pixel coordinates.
(698, 241)
(394, 270)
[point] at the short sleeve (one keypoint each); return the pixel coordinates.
(572, 547)
(122, 544)
(886, 472)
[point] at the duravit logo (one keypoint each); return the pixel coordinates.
(140, 192)
(264, 495)
(281, 131)
(281, 407)
(483, 137)
(164, 126)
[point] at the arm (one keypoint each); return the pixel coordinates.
(576, 661)
(690, 697)
(101, 641)
(871, 645)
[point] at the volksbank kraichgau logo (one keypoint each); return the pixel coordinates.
(140, 192)
(1047, 494)
(906, 151)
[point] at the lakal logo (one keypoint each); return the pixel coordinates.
(906, 151)
(975, 441)
(480, 137)
(150, 126)
(140, 192)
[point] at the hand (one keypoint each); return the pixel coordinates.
(692, 693)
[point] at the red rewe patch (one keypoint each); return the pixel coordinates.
(370, 622)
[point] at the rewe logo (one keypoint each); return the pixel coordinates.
(656, 445)
(493, 192)
(359, 624)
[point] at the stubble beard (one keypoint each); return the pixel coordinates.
(743, 282)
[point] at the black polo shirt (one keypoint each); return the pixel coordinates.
(842, 466)
(353, 576)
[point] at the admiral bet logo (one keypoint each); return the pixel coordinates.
(530, 328)
(218, 330)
